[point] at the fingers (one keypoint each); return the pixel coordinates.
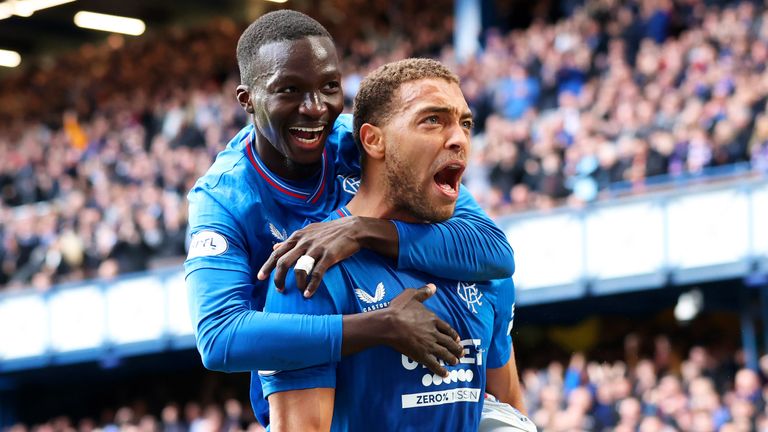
(447, 330)
(452, 347)
(284, 263)
(432, 364)
(301, 279)
(443, 354)
(317, 275)
(425, 292)
(278, 250)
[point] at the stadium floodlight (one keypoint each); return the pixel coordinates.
(9, 58)
(26, 8)
(689, 305)
(109, 23)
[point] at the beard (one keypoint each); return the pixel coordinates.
(406, 194)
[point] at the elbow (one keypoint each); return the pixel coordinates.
(212, 358)
(504, 266)
(213, 353)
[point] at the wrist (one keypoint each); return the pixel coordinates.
(378, 235)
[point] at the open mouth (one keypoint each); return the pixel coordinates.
(448, 178)
(309, 136)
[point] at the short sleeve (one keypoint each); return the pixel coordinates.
(504, 310)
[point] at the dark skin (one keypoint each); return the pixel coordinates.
(294, 101)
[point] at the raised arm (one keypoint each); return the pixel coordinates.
(471, 247)
(233, 337)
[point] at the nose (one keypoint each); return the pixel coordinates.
(457, 138)
(313, 105)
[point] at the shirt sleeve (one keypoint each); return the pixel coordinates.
(231, 336)
(503, 318)
(292, 301)
(468, 246)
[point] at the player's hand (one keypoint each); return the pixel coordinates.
(326, 242)
(419, 334)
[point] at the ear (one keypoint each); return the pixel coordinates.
(244, 97)
(372, 140)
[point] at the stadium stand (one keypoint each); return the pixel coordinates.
(605, 100)
(615, 98)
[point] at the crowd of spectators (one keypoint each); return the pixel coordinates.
(99, 146)
(231, 416)
(706, 391)
(701, 389)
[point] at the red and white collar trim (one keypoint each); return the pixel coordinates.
(281, 185)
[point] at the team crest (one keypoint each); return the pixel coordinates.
(351, 184)
(279, 234)
(470, 294)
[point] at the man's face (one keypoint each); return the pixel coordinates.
(297, 96)
(427, 145)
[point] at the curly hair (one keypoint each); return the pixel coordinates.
(274, 26)
(375, 101)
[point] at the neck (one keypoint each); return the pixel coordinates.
(280, 164)
(374, 200)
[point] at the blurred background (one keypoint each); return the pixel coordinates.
(621, 145)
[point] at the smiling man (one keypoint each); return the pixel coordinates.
(294, 165)
(413, 127)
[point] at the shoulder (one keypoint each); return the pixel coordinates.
(228, 183)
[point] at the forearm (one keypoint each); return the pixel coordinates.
(363, 331)
(308, 410)
(456, 249)
(233, 338)
(504, 384)
(379, 235)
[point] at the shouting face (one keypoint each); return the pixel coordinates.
(427, 144)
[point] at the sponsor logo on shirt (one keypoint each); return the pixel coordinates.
(373, 300)
(442, 397)
(472, 355)
(207, 243)
(277, 233)
(470, 294)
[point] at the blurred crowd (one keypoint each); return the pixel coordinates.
(99, 146)
(703, 389)
(231, 416)
(707, 391)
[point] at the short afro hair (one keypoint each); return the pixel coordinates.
(281, 25)
(374, 102)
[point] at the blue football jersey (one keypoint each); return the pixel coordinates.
(239, 209)
(382, 390)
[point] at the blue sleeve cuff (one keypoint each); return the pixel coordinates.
(335, 324)
(282, 381)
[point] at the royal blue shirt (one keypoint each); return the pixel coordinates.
(380, 389)
(239, 209)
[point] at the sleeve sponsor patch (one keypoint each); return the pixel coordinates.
(207, 243)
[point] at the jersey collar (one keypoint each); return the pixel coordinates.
(309, 196)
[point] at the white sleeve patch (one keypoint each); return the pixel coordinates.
(207, 243)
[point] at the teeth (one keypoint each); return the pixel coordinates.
(303, 129)
(306, 141)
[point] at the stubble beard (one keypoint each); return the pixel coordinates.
(405, 194)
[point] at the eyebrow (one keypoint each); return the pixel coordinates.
(443, 109)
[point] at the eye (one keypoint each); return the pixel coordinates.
(467, 124)
(433, 119)
(288, 89)
(332, 86)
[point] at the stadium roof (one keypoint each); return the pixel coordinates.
(53, 29)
